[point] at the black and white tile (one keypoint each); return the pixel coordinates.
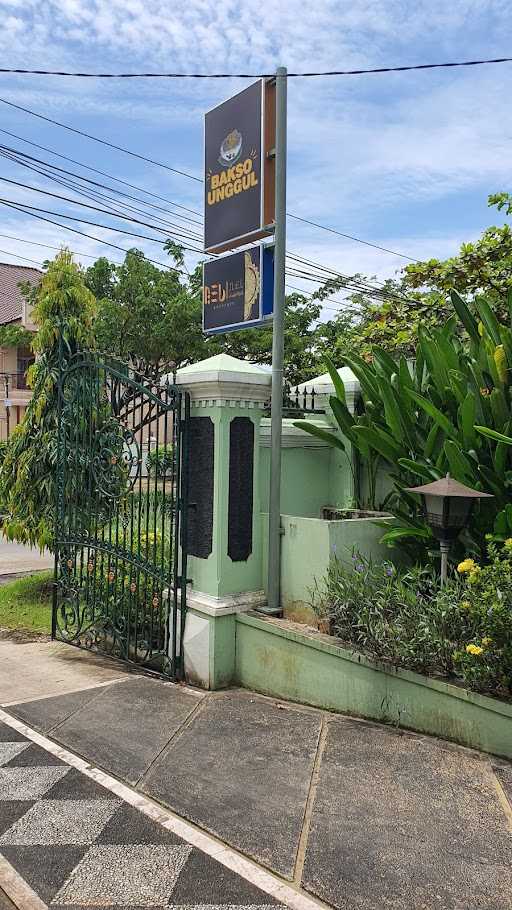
(77, 844)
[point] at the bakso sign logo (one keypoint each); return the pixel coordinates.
(231, 148)
(238, 174)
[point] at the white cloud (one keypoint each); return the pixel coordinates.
(395, 159)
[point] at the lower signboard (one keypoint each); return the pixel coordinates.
(238, 290)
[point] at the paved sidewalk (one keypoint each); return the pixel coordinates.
(362, 816)
(17, 559)
(68, 841)
(34, 669)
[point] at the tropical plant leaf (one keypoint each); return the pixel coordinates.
(494, 434)
(331, 438)
(460, 468)
(384, 361)
(427, 472)
(391, 408)
(381, 441)
(467, 419)
(444, 423)
(343, 417)
(466, 317)
(489, 320)
(400, 533)
(337, 381)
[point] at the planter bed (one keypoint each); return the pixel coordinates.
(279, 658)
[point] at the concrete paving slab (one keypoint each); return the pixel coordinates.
(77, 848)
(15, 558)
(39, 669)
(242, 770)
(127, 725)
(45, 713)
(402, 822)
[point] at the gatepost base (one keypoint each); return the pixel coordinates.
(209, 642)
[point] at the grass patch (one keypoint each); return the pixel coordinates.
(26, 603)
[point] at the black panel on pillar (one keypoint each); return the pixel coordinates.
(200, 474)
(241, 482)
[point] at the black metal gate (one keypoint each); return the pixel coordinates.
(121, 517)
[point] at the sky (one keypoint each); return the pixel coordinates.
(403, 160)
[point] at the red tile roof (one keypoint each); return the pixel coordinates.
(11, 298)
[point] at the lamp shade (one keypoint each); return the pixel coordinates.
(447, 505)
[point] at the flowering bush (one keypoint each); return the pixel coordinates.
(484, 660)
(402, 617)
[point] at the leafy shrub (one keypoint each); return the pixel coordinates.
(160, 462)
(421, 421)
(403, 618)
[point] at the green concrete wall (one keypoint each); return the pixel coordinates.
(311, 478)
(315, 670)
(307, 545)
(304, 480)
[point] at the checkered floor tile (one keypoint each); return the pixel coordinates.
(76, 845)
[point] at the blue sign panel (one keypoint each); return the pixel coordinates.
(238, 290)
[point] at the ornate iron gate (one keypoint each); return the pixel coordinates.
(121, 516)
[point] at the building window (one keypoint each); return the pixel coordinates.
(25, 359)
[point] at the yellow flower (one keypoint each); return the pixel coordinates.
(465, 605)
(474, 649)
(466, 566)
(508, 543)
(486, 641)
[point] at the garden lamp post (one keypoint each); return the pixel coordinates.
(447, 505)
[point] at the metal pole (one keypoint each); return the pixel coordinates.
(445, 549)
(274, 523)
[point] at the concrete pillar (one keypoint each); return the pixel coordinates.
(225, 535)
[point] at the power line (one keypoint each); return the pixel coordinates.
(14, 154)
(355, 284)
(95, 170)
(96, 209)
(24, 205)
(17, 256)
(122, 216)
(111, 145)
(296, 75)
(47, 246)
(17, 207)
(167, 167)
(342, 307)
(34, 212)
(325, 273)
(331, 230)
(70, 180)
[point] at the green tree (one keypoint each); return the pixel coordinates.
(305, 338)
(64, 308)
(146, 314)
(301, 315)
(419, 297)
(15, 336)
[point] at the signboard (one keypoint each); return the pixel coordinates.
(239, 176)
(238, 290)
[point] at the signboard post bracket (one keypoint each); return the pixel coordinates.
(274, 528)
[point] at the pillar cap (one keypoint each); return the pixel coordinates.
(223, 377)
(323, 385)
